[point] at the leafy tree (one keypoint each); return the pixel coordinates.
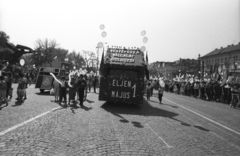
(45, 51)
(89, 57)
(3, 39)
(76, 59)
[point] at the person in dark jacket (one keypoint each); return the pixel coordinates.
(9, 85)
(95, 82)
(82, 84)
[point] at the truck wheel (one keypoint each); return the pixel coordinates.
(42, 90)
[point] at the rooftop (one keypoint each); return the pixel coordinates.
(229, 48)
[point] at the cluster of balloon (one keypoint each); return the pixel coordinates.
(104, 34)
(145, 40)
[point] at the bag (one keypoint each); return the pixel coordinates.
(10, 91)
(52, 91)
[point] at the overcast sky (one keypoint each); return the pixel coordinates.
(174, 28)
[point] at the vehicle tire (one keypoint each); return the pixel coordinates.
(42, 90)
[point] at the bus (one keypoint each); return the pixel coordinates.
(45, 80)
(122, 75)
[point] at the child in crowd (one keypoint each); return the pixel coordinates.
(3, 89)
(72, 90)
(149, 91)
(160, 93)
(56, 87)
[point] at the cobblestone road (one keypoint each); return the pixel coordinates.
(102, 128)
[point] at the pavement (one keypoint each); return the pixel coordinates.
(181, 126)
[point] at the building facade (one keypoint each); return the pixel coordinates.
(177, 68)
(223, 61)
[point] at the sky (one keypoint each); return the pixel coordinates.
(175, 28)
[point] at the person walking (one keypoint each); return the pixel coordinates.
(25, 80)
(160, 93)
(62, 89)
(9, 85)
(56, 87)
(72, 90)
(90, 82)
(3, 89)
(149, 87)
(82, 84)
(95, 82)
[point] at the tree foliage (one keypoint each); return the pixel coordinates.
(89, 57)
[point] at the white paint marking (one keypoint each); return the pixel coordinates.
(25, 122)
(168, 146)
(205, 117)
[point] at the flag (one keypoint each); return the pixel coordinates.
(147, 59)
(146, 70)
(102, 64)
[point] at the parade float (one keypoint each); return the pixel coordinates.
(44, 78)
(122, 75)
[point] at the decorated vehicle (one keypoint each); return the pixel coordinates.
(122, 73)
(45, 80)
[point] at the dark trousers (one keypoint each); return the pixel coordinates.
(81, 95)
(89, 87)
(7, 91)
(160, 97)
(94, 87)
(151, 91)
(63, 95)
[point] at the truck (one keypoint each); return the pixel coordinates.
(122, 76)
(45, 80)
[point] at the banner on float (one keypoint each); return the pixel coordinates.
(46, 82)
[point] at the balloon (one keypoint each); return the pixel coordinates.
(143, 48)
(22, 62)
(162, 84)
(143, 33)
(104, 34)
(100, 45)
(145, 40)
(102, 26)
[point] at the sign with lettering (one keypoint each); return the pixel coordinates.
(47, 82)
(124, 56)
(48, 69)
(122, 90)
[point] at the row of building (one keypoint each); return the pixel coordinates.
(224, 61)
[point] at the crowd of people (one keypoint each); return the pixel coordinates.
(77, 84)
(6, 90)
(209, 90)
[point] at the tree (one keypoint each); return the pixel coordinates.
(3, 39)
(76, 59)
(89, 57)
(45, 51)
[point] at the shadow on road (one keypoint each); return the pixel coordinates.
(44, 94)
(146, 109)
(142, 110)
(164, 104)
(89, 101)
(86, 108)
(18, 103)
